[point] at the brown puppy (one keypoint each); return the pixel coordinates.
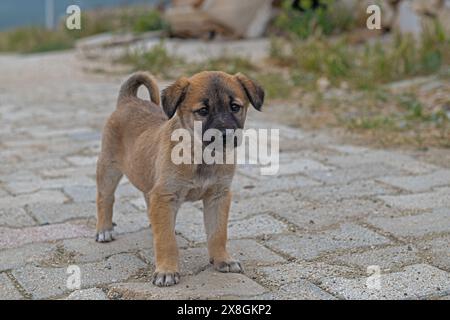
(137, 142)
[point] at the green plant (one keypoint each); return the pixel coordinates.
(327, 18)
(157, 60)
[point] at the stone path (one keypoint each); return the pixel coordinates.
(334, 213)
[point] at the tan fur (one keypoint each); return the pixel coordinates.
(136, 143)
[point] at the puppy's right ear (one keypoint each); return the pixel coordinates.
(174, 95)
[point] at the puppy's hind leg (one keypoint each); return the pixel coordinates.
(108, 177)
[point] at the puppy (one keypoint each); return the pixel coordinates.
(137, 143)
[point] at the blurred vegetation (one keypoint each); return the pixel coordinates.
(366, 66)
(39, 39)
(325, 18)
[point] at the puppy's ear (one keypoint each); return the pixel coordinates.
(255, 93)
(174, 95)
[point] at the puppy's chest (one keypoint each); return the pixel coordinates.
(204, 180)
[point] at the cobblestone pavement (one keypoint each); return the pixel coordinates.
(309, 233)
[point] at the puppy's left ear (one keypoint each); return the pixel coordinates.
(173, 96)
(255, 93)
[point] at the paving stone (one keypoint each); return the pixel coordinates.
(312, 245)
(15, 217)
(81, 193)
(420, 183)
(190, 223)
(88, 294)
(299, 290)
(418, 225)
(271, 202)
(206, 285)
(265, 184)
(18, 237)
(356, 189)
(47, 213)
(437, 251)
(388, 157)
(297, 166)
(87, 250)
(357, 172)
(7, 289)
(43, 283)
(292, 272)
(67, 172)
(421, 201)
(313, 216)
(385, 258)
(20, 187)
(255, 226)
(43, 196)
(82, 160)
(414, 282)
(348, 149)
(30, 253)
(252, 253)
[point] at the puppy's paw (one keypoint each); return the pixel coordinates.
(232, 266)
(105, 236)
(165, 279)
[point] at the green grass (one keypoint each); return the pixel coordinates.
(156, 60)
(367, 66)
(328, 19)
(38, 39)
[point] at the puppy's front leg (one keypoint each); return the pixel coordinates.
(162, 212)
(216, 210)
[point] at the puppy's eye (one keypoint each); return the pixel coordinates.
(202, 112)
(235, 108)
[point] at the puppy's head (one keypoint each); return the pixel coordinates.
(216, 99)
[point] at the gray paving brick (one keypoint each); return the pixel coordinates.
(437, 251)
(293, 167)
(87, 250)
(7, 289)
(252, 253)
(248, 187)
(388, 157)
(18, 237)
(414, 282)
(356, 189)
(15, 217)
(43, 196)
(43, 283)
(82, 160)
(20, 187)
(56, 212)
(288, 273)
(312, 216)
(299, 290)
(88, 294)
(31, 253)
(439, 198)
(420, 183)
(255, 226)
(271, 202)
(357, 172)
(418, 225)
(81, 193)
(312, 245)
(385, 258)
(206, 285)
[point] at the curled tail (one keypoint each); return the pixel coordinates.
(131, 86)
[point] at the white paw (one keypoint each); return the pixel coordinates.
(105, 236)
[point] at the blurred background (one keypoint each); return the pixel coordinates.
(317, 59)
